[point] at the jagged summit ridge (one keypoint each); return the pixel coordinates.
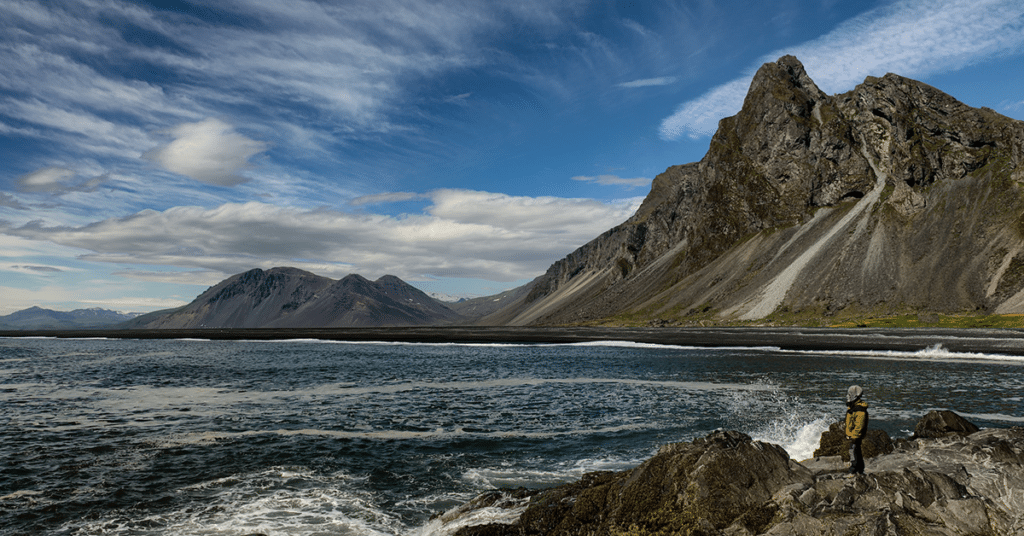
(893, 197)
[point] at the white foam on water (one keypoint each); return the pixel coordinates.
(513, 477)
(798, 437)
(20, 494)
(935, 352)
(655, 346)
(594, 344)
(450, 522)
(793, 424)
(274, 501)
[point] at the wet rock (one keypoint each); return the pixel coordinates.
(727, 484)
(941, 424)
(722, 480)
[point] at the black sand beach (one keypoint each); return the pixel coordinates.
(988, 341)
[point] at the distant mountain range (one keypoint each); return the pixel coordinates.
(39, 318)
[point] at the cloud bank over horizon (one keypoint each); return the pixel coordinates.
(463, 234)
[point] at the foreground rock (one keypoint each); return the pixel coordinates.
(727, 484)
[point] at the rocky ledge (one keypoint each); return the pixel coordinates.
(948, 478)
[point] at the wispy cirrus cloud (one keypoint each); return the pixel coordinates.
(615, 180)
(660, 81)
(910, 38)
(342, 71)
(390, 197)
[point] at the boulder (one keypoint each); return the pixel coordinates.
(729, 485)
(943, 423)
(702, 487)
(834, 443)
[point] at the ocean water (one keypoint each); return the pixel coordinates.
(196, 437)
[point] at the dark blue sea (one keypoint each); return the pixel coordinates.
(198, 437)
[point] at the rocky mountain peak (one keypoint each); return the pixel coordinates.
(893, 197)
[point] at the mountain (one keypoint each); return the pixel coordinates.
(893, 198)
(39, 318)
(486, 305)
(292, 298)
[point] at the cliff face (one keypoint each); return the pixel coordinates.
(893, 197)
(292, 298)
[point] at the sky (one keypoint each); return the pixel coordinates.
(149, 150)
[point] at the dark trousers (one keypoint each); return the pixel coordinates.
(856, 457)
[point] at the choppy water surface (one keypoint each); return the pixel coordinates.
(304, 437)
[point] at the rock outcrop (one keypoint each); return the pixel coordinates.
(293, 298)
(833, 442)
(891, 198)
(727, 484)
(943, 423)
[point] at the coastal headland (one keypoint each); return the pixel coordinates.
(982, 341)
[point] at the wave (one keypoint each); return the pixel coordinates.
(611, 343)
(514, 477)
(277, 500)
(936, 352)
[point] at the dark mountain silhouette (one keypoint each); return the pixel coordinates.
(289, 298)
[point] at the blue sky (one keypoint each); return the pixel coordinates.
(152, 149)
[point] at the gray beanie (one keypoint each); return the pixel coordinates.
(853, 393)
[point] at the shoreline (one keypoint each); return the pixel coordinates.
(965, 340)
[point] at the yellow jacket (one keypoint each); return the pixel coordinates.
(857, 419)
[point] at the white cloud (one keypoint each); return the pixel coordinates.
(615, 180)
(661, 81)
(910, 38)
(135, 303)
(203, 278)
(464, 234)
(209, 151)
(48, 179)
(458, 99)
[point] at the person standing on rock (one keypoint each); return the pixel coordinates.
(856, 427)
